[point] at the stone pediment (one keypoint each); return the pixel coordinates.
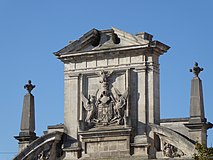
(96, 40)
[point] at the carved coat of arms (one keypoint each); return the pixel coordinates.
(107, 106)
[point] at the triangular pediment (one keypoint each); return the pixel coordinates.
(105, 39)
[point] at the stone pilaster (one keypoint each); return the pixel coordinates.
(71, 112)
(153, 100)
(142, 102)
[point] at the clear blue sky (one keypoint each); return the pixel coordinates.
(31, 31)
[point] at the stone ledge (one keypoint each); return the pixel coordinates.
(166, 120)
(115, 158)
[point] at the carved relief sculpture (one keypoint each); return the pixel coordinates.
(44, 155)
(120, 104)
(171, 151)
(89, 106)
(107, 106)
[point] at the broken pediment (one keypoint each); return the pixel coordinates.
(96, 40)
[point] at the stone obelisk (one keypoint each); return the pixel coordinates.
(27, 130)
(198, 124)
(196, 99)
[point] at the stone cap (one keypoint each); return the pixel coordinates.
(23, 136)
(57, 127)
(144, 35)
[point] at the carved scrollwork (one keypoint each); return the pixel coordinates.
(50, 152)
(171, 151)
(44, 155)
(107, 106)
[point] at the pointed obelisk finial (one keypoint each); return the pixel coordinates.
(196, 70)
(27, 130)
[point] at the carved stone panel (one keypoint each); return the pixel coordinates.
(104, 99)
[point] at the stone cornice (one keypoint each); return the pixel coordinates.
(91, 54)
(199, 126)
(76, 73)
(158, 48)
(97, 43)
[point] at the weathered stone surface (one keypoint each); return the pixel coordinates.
(112, 103)
(46, 147)
(169, 136)
(177, 125)
(126, 95)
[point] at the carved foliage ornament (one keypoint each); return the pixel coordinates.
(107, 107)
